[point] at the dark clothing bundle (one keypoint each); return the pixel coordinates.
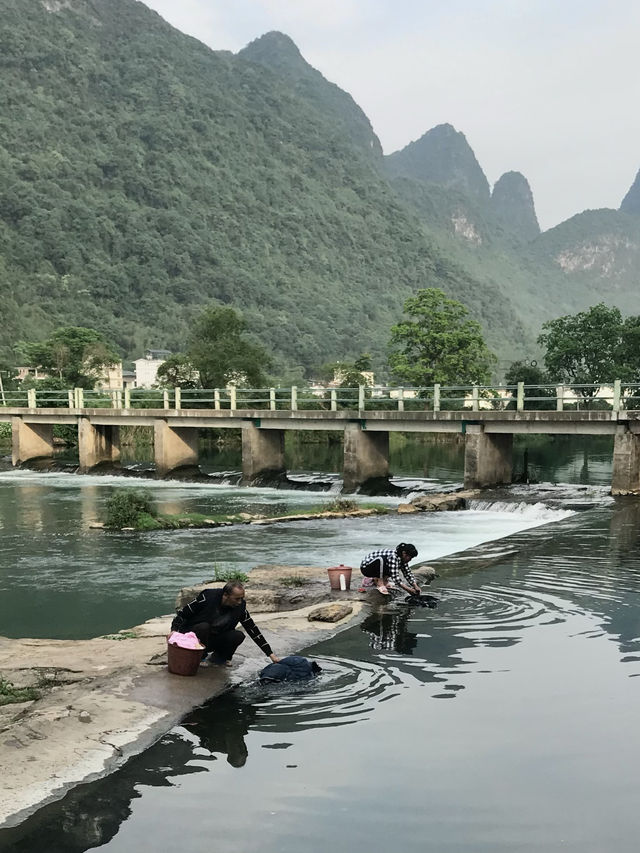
(208, 611)
(420, 601)
(291, 668)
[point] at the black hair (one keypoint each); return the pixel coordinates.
(409, 549)
(228, 588)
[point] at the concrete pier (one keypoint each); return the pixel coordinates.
(488, 458)
(174, 447)
(30, 440)
(262, 453)
(366, 456)
(625, 479)
(97, 444)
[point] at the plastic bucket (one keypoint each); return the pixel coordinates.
(183, 661)
(335, 573)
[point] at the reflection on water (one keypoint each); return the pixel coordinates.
(537, 652)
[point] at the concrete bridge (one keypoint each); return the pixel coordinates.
(488, 433)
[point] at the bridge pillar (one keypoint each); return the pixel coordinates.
(97, 444)
(30, 441)
(366, 457)
(487, 458)
(625, 478)
(174, 447)
(262, 453)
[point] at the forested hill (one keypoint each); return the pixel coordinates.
(143, 175)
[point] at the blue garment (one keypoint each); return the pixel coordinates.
(291, 668)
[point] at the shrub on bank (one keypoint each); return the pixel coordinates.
(125, 507)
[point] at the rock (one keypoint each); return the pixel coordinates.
(439, 503)
(97, 525)
(330, 613)
(84, 717)
(406, 508)
(426, 574)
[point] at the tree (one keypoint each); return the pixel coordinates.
(539, 394)
(438, 343)
(220, 352)
(178, 371)
(589, 347)
(77, 355)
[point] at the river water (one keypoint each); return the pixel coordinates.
(503, 720)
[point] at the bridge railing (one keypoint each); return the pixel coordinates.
(616, 396)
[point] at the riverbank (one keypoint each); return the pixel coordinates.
(104, 700)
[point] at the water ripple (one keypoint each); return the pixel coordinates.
(346, 692)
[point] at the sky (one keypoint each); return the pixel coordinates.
(549, 88)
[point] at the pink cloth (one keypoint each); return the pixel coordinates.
(185, 641)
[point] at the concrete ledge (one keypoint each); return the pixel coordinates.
(105, 700)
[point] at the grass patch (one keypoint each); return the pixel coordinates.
(11, 695)
(125, 506)
(293, 581)
(229, 575)
(341, 505)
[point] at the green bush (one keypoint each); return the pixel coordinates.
(125, 507)
(293, 581)
(10, 695)
(229, 575)
(5, 432)
(340, 505)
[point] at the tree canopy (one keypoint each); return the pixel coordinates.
(220, 351)
(592, 347)
(439, 343)
(75, 354)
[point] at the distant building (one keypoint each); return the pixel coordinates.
(147, 368)
(109, 377)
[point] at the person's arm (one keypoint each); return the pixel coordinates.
(254, 632)
(411, 578)
(398, 573)
(192, 609)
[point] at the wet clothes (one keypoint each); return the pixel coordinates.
(291, 668)
(387, 563)
(420, 601)
(208, 610)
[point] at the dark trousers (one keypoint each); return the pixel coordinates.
(375, 569)
(222, 645)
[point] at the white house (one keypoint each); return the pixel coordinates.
(147, 367)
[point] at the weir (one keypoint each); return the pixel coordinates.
(488, 436)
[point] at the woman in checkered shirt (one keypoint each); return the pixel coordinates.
(390, 567)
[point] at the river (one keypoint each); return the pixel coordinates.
(503, 720)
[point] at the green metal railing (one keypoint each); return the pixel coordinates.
(614, 397)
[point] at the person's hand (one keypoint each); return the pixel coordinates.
(274, 658)
(417, 590)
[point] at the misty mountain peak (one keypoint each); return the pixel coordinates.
(513, 206)
(631, 202)
(279, 53)
(442, 156)
(277, 50)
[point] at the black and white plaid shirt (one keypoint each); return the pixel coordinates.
(393, 565)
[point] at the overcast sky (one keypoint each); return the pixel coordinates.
(549, 88)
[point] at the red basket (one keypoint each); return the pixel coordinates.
(183, 661)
